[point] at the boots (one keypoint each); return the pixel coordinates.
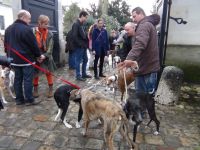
(35, 92)
(50, 92)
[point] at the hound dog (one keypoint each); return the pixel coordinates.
(118, 80)
(62, 98)
(135, 106)
(7, 82)
(116, 60)
(96, 106)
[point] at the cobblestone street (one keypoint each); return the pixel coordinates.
(34, 128)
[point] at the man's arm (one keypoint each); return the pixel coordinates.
(30, 40)
(75, 38)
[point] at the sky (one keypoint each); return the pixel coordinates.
(145, 4)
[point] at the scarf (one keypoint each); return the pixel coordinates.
(41, 37)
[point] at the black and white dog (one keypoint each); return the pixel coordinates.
(136, 104)
(62, 98)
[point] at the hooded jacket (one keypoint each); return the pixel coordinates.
(145, 48)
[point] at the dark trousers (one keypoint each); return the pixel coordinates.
(23, 83)
(72, 61)
(97, 57)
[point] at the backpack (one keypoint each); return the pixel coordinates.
(69, 42)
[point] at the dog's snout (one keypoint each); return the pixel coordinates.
(139, 118)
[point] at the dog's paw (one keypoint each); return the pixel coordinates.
(5, 102)
(13, 97)
(67, 125)
(78, 125)
(57, 119)
(156, 133)
(83, 132)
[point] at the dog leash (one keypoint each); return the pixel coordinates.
(125, 84)
(40, 68)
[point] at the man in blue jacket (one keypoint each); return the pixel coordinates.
(19, 37)
(100, 47)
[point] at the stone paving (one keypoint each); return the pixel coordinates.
(33, 128)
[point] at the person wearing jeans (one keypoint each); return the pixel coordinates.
(23, 74)
(145, 52)
(80, 44)
(81, 53)
(19, 37)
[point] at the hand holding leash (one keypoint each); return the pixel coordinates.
(41, 58)
(128, 64)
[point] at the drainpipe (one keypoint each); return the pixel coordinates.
(164, 32)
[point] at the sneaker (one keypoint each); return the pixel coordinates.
(102, 75)
(87, 76)
(81, 79)
(33, 103)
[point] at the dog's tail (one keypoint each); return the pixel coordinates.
(125, 129)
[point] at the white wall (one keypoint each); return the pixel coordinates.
(188, 34)
(7, 12)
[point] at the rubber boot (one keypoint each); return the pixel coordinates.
(35, 92)
(50, 92)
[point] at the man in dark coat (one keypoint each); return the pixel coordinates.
(19, 36)
(80, 44)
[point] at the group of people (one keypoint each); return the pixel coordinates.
(140, 47)
(27, 47)
(96, 40)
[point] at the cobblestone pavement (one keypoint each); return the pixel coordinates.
(33, 128)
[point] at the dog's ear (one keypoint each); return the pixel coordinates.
(74, 93)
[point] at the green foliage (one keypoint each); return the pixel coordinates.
(93, 11)
(119, 9)
(89, 22)
(70, 16)
(111, 23)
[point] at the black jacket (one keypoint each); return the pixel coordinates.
(19, 36)
(127, 46)
(79, 35)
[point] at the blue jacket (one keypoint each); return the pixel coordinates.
(100, 41)
(19, 36)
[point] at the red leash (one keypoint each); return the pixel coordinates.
(40, 68)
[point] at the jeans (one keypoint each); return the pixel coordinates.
(81, 56)
(72, 63)
(23, 80)
(146, 83)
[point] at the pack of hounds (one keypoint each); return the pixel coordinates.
(111, 114)
(94, 106)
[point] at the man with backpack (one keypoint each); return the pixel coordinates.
(80, 44)
(69, 48)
